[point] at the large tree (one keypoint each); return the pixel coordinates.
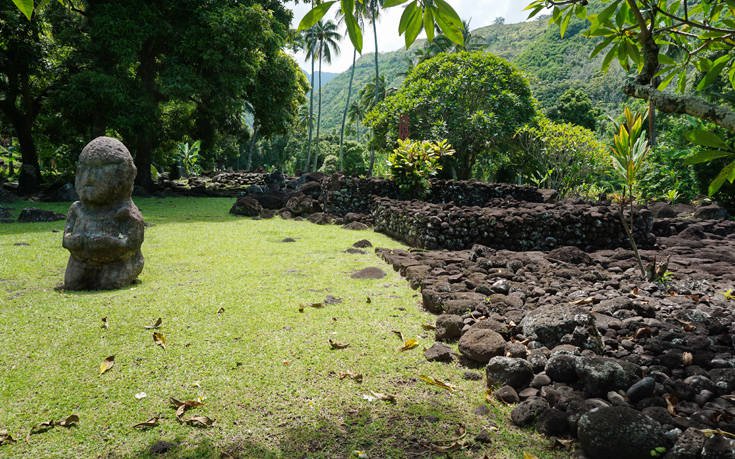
(27, 71)
(136, 59)
(681, 44)
(473, 99)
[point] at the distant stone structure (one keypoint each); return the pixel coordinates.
(104, 229)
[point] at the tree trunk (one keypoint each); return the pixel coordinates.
(29, 178)
(251, 147)
(377, 89)
(319, 112)
(344, 114)
(311, 117)
(144, 138)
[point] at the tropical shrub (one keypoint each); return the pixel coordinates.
(563, 156)
(414, 162)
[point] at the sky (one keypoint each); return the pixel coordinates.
(479, 12)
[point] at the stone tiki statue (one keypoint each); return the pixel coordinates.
(104, 229)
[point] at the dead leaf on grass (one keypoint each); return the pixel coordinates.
(220, 311)
(368, 300)
(69, 421)
(140, 395)
(642, 332)
(6, 438)
(489, 396)
(200, 421)
(316, 305)
(159, 339)
(408, 344)
(105, 323)
(181, 407)
(399, 334)
(452, 444)
(357, 377)
(152, 422)
(373, 396)
(301, 308)
(563, 443)
(156, 324)
(42, 427)
(106, 364)
(437, 383)
(337, 344)
(428, 327)
(332, 300)
(527, 455)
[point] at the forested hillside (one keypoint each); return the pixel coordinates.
(552, 65)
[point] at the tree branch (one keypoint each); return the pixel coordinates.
(684, 104)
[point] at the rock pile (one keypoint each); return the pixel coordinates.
(587, 349)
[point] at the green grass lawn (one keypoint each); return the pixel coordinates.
(264, 370)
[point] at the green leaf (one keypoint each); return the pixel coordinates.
(25, 7)
(706, 138)
(449, 21)
(409, 11)
(353, 28)
(727, 173)
(602, 45)
(609, 57)
(414, 26)
(392, 3)
(429, 23)
(666, 81)
(315, 15)
(706, 156)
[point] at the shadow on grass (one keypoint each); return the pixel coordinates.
(380, 429)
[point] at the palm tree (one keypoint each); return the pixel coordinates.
(355, 115)
(327, 45)
(309, 44)
(360, 13)
(374, 6)
(442, 44)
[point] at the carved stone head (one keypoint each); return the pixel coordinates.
(105, 172)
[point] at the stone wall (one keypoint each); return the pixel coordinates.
(506, 224)
(342, 195)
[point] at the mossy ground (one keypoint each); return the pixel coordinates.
(264, 370)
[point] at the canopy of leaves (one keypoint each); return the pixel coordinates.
(475, 100)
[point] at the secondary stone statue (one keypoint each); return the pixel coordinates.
(104, 229)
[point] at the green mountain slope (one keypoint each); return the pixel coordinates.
(551, 64)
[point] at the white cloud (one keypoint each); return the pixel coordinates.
(480, 12)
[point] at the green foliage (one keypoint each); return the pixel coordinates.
(575, 106)
(565, 155)
(473, 99)
(715, 148)
(189, 157)
(629, 150)
(330, 165)
(413, 162)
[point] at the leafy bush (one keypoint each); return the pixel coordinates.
(475, 100)
(562, 155)
(330, 164)
(413, 162)
(189, 157)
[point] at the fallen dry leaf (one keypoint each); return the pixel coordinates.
(408, 344)
(316, 305)
(337, 344)
(368, 300)
(332, 300)
(709, 433)
(527, 455)
(359, 454)
(69, 421)
(357, 377)
(301, 308)
(140, 395)
(5, 438)
(105, 323)
(220, 311)
(581, 301)
(152, 422)
(489, 396)
(563, 443)
(428, 327)
(159, 339)
(181, 407)
(687, 358)
(450, 445)
(643, 332)
(671, 402)
(106, 364)
(200, 421)
(155, 325)
(437, 383)
(399, 334)
(42, 427)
